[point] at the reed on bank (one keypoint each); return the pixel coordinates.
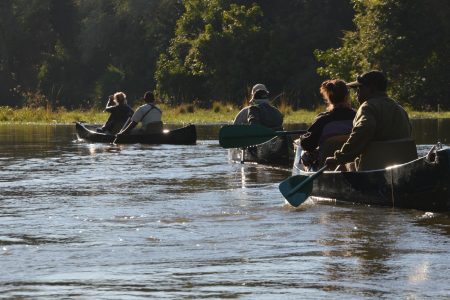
(182, 114)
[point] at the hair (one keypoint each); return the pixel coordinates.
(149, 97)
(260, 94)
(334, 92)
(120, 98)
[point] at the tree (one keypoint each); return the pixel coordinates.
(221, 48)
(398, 37)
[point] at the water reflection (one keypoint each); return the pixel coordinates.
(102, 221)
(254, 175)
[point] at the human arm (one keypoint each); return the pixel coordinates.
(128, 128)
(254, 115)
(241, 117)
(310, 140)
(363, 131)
(111, 104)
(133, 121)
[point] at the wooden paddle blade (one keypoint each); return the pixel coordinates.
(296, 189)
(238, 136)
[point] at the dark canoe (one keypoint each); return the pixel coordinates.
(277, 151)
(181, 136)
(422, 184)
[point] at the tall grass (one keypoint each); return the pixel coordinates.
(187, 113)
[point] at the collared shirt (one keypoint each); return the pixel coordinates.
(377, 119)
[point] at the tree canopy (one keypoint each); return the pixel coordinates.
(74, 53)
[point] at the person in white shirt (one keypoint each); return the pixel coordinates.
(149, 115)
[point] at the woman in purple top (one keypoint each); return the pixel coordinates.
(336, 120)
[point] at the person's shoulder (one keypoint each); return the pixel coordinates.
(324, 113)
(347, 111)
(243, 110)
(142, 107)
(321, 117)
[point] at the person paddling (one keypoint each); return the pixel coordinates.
(260, 111)
(335, 121)
(378, 119)
(149, 115)
(119, 111)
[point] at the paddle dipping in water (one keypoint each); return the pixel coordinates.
(296, 189)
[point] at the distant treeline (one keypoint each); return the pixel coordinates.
(73, 53)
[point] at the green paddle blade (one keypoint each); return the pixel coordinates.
(296, 189)
(238, 136)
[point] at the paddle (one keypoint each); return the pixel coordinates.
(238, 136)
(296, 189)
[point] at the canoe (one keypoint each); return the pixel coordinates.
(422, 184)
(182, 136)
(276, 151)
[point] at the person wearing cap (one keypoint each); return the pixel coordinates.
(378, 119)
(149, 115)
(119, 111)
(260, 111)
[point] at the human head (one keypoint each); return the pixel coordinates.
(335, 93)
(259, 90)
(149, 97)
(369, 83)
(120, 98)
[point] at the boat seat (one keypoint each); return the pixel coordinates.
(330, 145)
(380, 155)
(335, 128)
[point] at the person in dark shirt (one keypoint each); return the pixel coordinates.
(260, 111)
(119, 111)
(336, 120)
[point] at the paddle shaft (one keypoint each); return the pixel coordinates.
(279, 133)
(237, 136)
(272, 134)
(306, 181)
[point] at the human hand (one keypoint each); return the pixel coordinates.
(331, 163)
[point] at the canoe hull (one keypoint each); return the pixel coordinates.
(182, 136)
(277, 151)
(422, 184)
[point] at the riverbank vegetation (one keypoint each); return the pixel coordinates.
(73, 54)
(182, 114)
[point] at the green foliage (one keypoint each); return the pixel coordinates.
(205, 59)
(73, 53)
(222, 48)
(110, 80)
(398, 37)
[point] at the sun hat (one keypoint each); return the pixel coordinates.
(259, 87)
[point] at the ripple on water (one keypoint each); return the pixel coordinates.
(101, 221)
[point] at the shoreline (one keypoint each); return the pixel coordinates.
(184, 114)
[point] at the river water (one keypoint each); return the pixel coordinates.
(97, 221)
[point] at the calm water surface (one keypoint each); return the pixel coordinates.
(96, 221)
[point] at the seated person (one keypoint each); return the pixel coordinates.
(119, 111)
(335, 121)
(379, 120)
(149, 115)
(260, 110)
